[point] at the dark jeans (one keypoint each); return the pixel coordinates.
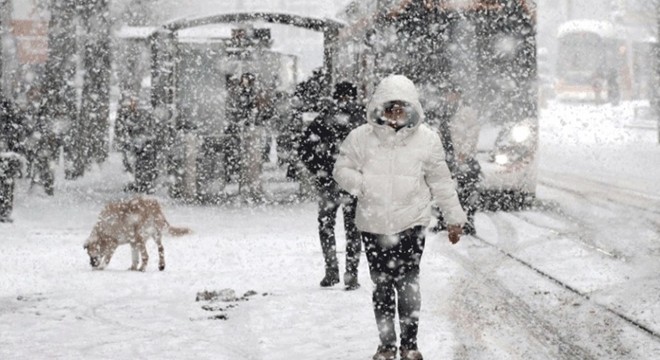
(45, 174)
(6, 197)
(329, 201)
(468, 193)
(146, 168)
(9, 169)
(468, 179)
(394, 268)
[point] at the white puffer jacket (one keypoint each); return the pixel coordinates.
(396, 175)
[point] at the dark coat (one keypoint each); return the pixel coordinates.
(12, 134)
(134, 128)
(12, 127)
(320, 142)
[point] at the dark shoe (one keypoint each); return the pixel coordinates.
(438, 228)
(385, 352)
(131, 187)
(6, 219)
(411, 354)
(351, 281)
(469, 229)
(330, 279)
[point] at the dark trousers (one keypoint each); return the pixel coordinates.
(468, 193)
(6, 196)
(146, 168)
(467, 177)
(394, 269)
(9, 169)
(330, 199)
(44, 175)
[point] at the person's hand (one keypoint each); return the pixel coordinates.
(454, 232)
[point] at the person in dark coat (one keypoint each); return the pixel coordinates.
(12, 126)
(231, 150)
(319, 149)
(252, 113)
(613, 92)
(137, 138)
(48, 144)
(31, 111)
(126, 118)
(459, 132)
(11, 137)
(290, 136)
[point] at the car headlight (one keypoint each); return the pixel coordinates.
(501, 159)
(521, 132)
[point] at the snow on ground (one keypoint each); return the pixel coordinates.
(69, 311)
(597, 232)
(599, 143)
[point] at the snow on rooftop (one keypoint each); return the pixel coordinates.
(607, 29)
(601, 28)
(215, 31)
(199, 8)
(135, 32)
(307, 45)
(279, 12)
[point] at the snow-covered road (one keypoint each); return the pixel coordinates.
(596, 230)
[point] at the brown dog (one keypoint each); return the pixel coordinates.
(131, 222)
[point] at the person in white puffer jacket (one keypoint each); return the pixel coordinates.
(395, 166)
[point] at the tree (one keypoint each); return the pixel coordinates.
(70, 54)
(94, 111)
(4, 9)
(58, 86)
(656, 93)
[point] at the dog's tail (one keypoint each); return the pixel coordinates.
(178, 231)
(160, 217)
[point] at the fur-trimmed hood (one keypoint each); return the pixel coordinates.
(392, 88)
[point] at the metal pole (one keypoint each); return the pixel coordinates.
(4, 17)
(330, 34)
(656, 46)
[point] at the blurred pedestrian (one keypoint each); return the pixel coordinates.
(12, 134)
(289, 140)
(613, 91)
(138, 140)
(48, 144)
(233, 112)
(251, 135)
(126, 120)
(395, 166)
(31, 110)
(319, 149)
(460, 135)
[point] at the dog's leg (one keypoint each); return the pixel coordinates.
(107, 255)
(139, 240)
(161, 250)
(134, 257)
